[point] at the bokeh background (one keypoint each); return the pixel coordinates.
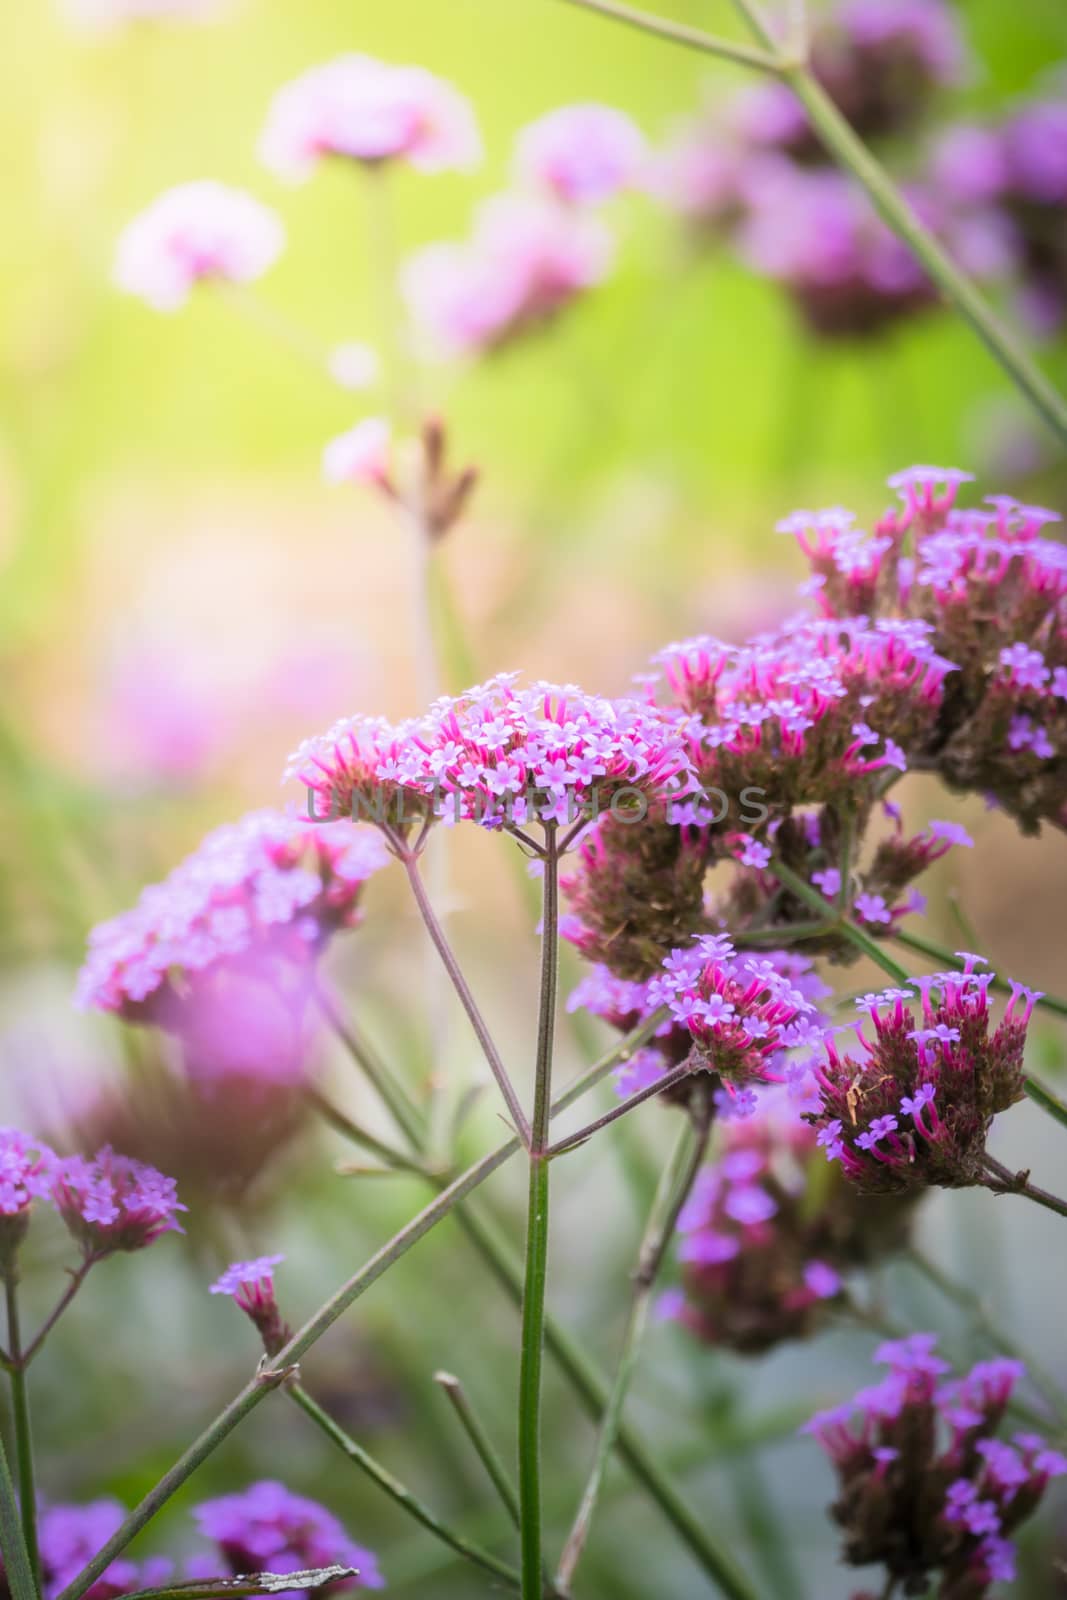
(182, 598)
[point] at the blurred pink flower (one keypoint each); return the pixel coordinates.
(100, 16)
(369, 111)
(583, 153)
(527, 259)
(192, 233)
(362, 455)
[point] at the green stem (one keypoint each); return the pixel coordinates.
(397, 1491)
(18, 1571)
(78, 1276)
(1002, 1180)
(850, 152)
(937, 952)
(393, 1095)
(811, 897)
(276, 1371)
(20, 1406)
(1045, 1099)
(533, 1298)
(675, 1186)
(649, 1092)
(679, 33)
(484, 1448)
(346, 1125)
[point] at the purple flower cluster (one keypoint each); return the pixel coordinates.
(267, 1528)
(196, 233)
(915, 1109)
(266, 890)
(113, 1203)
(70, 1537)
(583, 154)
(925, 1485)
(251, 1284)
(761, 1258)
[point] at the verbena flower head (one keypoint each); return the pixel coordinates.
(915, 1107)
(763, 1242)
(270, 888)
(251, 1284)
(699, 174)
(112, 1203)
(369, 111)
(742, 1012)
(583, 154)
(267, 1528)
(528, 258)
(926, 1487)
(196, 233)
(26, 1167)
(71, 1535)
(362, 455)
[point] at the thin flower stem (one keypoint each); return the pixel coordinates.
(974, 1306)
(78, 1276)
(850, 152)
(484, 1448)
(467, 1000)
(1003, 1181)
(276, 1371)
(669, 1079)
(679, 33)
(397, 1491)
(675, 1186)
(937, 952)
(536, 1273)
(18, 1571)
(20, 1406)
(393, 1094)
(344, 1124)
(1045, 1099)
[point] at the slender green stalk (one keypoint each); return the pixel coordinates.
(467, 1000)
(1045, 1099)
(1001, 1180)
(268, 1378)
(937, 952)
(649, 1092)
(20, 1407)
(484, 1447)
(850, 152)
(848, 930)
(393, 1095)
(18, 1570)
(78, 1276)
(346, 1125)
(742, 55)
(533, 1298)
(675, 1186)
(397, 1491)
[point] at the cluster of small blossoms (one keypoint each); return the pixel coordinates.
(196, 233)
(926, 1488)
(113, 1203)
(1019, 167)
(267, 1528)
(251, 1286)
(992, 591)
(69, 1536)
(742, 1012)
(528, 257)
(764, 1242)
(27, 1167)
(625, 1004)
(915, 1110)
(270, 888)
(368, 111)
(583, 154)
(502, 756)
(810, 714)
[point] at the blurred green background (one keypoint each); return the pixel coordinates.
(163, 521)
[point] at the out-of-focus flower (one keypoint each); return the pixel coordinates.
(70, 1536)
(699, 173)
(362, 455)
(584, 154)
(267, 1528)
(916, 1110)
(251, 1283)
(763, 1242)
(196, 233)
(368, 111)
(101, 16)
(355, 365)
(528, 258)
(26, 1168)
(926, 1488)
(112, 1203)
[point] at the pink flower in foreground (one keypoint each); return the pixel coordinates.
(191, 234)
(362, 455)
(70, 1536)
(26, 1167)
(584, 154)
(112, 1203)
(368, 111)
(251, 1284)
(267, 1528)
(529, 257)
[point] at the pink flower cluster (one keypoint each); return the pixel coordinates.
(926, 1486)
(196, 233)
(916, 1108)
(113, 1203)
(267, 1528)
(500, 755)
(267, 885)
(26, 1169)
(251, 1285)
(582, 154)
(528, 257)
(369, 111)
(70, 1536)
